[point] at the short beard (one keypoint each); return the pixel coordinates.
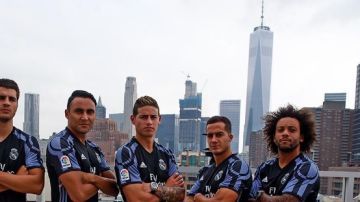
(286, 150)
(289, 149)
(4, 120)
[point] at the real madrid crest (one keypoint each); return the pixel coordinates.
(218, 175)
(283, 180)
(13, 154)
(162, 164)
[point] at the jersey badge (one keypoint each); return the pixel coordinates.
(142, 165)
(201, 178)
(218, 175)
(162, 164)
(83, 157)
(124, 175)
(13, 154)
(265, 180)
(283, 180)
(65, 161)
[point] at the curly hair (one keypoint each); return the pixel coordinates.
(306, 121)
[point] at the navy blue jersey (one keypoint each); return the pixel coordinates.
(233, 173)
(16, 150)
(299, 178)
(133, 164)
(66, 153)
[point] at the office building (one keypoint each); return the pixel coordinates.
(129, 100)
(168, 131)
(357, 89)
(258, 80)
(107, 137)
(31, 118)
(203, 140)
(334, 135)
(231, 110)
(190, 118)
(356, 122)
(119, 119)
(100, 110)
(258, 151)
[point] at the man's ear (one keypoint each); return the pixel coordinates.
(301, 138)
(132, 118)
(231, 136)
(66, 113)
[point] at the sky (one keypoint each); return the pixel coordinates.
(54, 47)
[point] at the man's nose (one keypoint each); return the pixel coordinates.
(84, 116)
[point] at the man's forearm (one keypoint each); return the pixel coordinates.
(106, 185)
(283, 198)
(171, 194)
(31, 183)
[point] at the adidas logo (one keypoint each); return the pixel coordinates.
(265, 179)
(142, 165)
(83, 157)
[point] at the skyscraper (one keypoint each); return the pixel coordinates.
(119, 119)
(357, 93)
(231, 109)
(334, 135)
(190, 118)
(100, 110)
(31, 118)
(168, 131)
(259, 78)
(129, 100)
(356, 121)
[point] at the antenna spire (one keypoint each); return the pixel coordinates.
(262, 13)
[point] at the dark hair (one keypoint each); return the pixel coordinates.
(306, 122)
(82, 94)
(145, 101)
(11, 84)
(223, 119)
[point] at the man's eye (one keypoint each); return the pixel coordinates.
(292, 129)
(12, 99)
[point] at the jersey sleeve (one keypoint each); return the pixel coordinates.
(172, 163)
(303, 181)
(61, 156)
(256, 185)
(195, 188)
(237, 177)
(32, 154)
(126, 168)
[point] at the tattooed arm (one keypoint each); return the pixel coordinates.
(171, 194)
(283, 198)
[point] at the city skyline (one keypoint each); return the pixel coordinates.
(53, 48)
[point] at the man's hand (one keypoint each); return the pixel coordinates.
(22, 171)
(175, 180)
(197, 197)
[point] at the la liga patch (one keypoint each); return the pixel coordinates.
(124, 175)
(65, 162)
